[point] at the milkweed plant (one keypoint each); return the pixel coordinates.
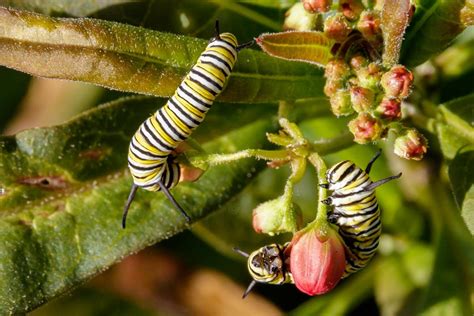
(321, 151)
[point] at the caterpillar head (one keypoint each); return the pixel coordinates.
(268, 264)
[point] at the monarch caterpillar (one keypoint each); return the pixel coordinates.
(150, 158)
(268, 264)
(355, 210)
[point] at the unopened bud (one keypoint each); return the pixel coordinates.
(397, 82)
(297, 18)
(337, 27)
(341, 103)
(362, 99)
(411, 145)
(317, 6)
(389, 109)
(369, 76)
(365, 128)
(337, 69)
(358, 62)
(316, 265)
(369, 24)
(276, 216)
(331, 86)
(351, 9)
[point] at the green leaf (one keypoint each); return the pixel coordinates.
(309, 47)
(64, 189)
(454, 125)
(280, 4)
(134, 59)
(395, 18)
(461, 175)
(435, 24)
(77, 8)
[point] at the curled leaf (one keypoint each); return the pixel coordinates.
(395, 19)
(309, 47)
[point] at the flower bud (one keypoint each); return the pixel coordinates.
(276, 216)
(397, 82)
(369, 76)
(316, 265)
(297, 18)
(358, 62)
(351, 9)
(369, 24)
(337, 27)
(389, 109)
(317, 6)
(411, 145)
(362, 99)
(336, 69)
(341, 103)
(365, 128)
(331, 86)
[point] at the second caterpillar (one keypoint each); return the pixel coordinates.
(150, 158)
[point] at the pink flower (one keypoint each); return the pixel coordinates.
(389, 109)
(317, 264)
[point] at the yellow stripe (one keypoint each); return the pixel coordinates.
(221, 51)
(142, 141)
(215, 73)
(162, 133)
(201, 91)
(189, 107)
(181, 125)
(356, 183)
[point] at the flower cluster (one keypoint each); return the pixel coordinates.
(356, 81)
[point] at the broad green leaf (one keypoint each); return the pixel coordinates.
(188, 17)
(455, 125)
(461, 175)
(14, 86)
(309, 47)
(63, 192)
(395, 19)
(134, 59)
(435, 24)
(76, 8)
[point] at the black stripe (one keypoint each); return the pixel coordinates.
(207, 79)
(334, 170)
(194, 98)
(182, 111)
(171, 127)
(134, 166)
(347, 172)
(155, 137)
(202, 102)
(149, 153)
(224, 62)
(210, 63)
(226, 49)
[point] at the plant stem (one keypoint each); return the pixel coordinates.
(320, 222)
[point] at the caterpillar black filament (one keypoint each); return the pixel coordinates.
(150, 157)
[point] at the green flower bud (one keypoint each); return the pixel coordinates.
(365, 128)
(369, 76)
(341, 103)
(362, 99)
(276, 216)
(297, 18)
(337, 69)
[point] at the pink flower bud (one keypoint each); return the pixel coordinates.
(316, 265)
(389, 109)
(317, 6)
(411, 145)
(351, 9)
(341, 103)
(397, 82)
(337, 27)
(365, 128)
(276, 216)
(362, 99)
(369, 24)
